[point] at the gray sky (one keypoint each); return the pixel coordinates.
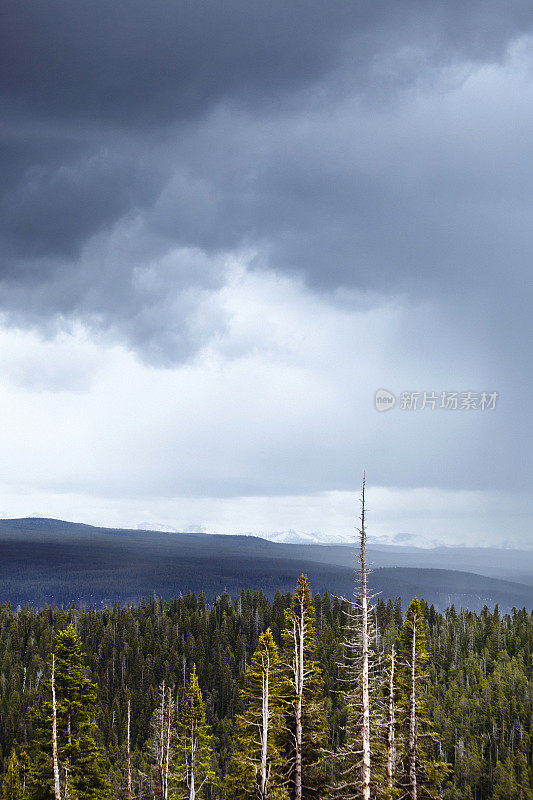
(226, 225)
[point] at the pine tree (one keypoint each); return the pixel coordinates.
(306, 721)
(193, 744)
(477, 692)
(258, 764)
(12, 786)
(81, 761)
(422, 773)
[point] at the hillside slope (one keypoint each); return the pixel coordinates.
(56, 562)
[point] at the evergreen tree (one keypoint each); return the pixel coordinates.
(12, 786)
(306, 720)
(81, 761)
(507, 784)
(193, 744)
(421, 773)
(258, 764)
(477, 692)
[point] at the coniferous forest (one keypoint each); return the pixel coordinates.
(301, 697)
(251, 250)
(477, 692)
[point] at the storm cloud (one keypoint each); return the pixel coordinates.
(163, 162)
(312, 133)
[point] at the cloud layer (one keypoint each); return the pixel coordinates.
(225, 226)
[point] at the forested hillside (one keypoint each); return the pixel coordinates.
(476, 687)
(50, 561)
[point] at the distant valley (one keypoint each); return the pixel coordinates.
(59, 563)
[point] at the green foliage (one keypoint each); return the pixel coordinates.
(82, 762)
(477, 692)
(299, 642)
(12, 786)
(509, 783)
(193, 744)
(258, 766)
(413, 656)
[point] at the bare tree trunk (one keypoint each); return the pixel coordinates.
(66, 794)
(412, 720)
(161, 743)
(192, 788)
(357, 668)
(129, 794)
(57, 790)
(299, 632)
(167, 744)
(264, 727)
(391, 722)
(365, 695)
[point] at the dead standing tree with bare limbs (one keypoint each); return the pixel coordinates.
(55, 760)
(358, 669)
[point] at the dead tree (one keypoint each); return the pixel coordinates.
(365, 647)
(57, 789)
(391, 726)
(129, 793)
(168, 731)
(358, 670)
(161, 745)
(412, 744)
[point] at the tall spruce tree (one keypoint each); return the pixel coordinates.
(12, 785)
(306, 719)
(421, 773)
(80, 758)
(193, 744)
(258, 768)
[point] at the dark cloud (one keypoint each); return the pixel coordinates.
(377, 152)
(142, 63)
(138, 63)
(57, 207)
(140, 135)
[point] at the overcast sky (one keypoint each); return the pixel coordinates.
(225, 225)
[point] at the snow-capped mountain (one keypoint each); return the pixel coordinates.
(317, 537)
(293, 537)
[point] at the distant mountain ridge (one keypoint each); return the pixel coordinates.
(58, 562)
(316, 537)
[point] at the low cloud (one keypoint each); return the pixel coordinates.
(276, 403)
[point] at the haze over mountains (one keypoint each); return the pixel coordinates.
(57, 562)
